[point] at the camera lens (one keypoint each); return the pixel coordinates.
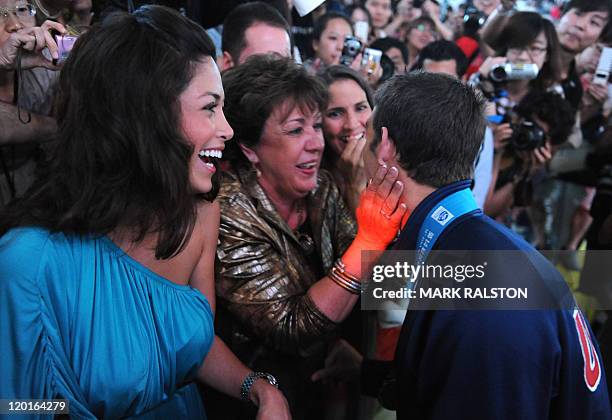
(527, 136)
(498, 73)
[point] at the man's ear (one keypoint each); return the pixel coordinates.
(250, 154)
(386, 151)
(225, 61)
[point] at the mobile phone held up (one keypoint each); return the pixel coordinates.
(371, 59)
(64, 46)
(604, 67)
(362, 30)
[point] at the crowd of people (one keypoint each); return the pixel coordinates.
(189, 190)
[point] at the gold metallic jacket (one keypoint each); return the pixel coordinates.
(262, 273)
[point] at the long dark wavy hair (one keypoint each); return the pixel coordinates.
(121, 160)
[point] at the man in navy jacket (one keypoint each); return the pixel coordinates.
(472, 364)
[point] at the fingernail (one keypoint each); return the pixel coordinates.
(394, 170)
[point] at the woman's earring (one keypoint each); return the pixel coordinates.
(257, 173)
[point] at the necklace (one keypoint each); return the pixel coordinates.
(304, 239)
(306, 242)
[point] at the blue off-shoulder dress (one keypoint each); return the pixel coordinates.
(81, 320)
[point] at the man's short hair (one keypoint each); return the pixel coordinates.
(242, 18)
(442, 50)
(436, 124)
(594, 6)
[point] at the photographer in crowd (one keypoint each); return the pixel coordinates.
(28, 77)
(328, 37)
(539, 124)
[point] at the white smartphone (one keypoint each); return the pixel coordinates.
(362, 30)
(604, 67)
(371, 59)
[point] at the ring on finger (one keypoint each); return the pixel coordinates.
(386, 215)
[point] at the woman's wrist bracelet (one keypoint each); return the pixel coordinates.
(343, 279)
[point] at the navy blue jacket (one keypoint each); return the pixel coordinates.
(524, 364)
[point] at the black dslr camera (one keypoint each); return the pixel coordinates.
(473, 19)
(527, 135)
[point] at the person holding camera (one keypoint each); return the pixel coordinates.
(333, 43)
(527, 57)
(28, 75)
(540, 123)
(328, 35)
(528, 60)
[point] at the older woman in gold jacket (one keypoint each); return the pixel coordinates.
(288, 267)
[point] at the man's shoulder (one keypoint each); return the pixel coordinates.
(480, 232)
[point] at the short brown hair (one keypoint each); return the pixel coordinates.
(256, 88)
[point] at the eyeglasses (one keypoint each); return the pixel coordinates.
(425, 28)
(21, 11)
(532, 51)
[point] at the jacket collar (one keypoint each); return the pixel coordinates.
(408, 236)
(267, 210)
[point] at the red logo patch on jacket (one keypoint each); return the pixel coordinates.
(592, 367)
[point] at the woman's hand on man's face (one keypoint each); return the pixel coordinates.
(380, 211)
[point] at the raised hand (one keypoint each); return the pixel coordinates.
(32, 41)
(350, 163)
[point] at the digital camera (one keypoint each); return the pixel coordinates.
(64, 46)
(352, 47)
(508, 71)
(473, 19)
(527, 135)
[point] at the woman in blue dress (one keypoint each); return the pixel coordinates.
(106, 264)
